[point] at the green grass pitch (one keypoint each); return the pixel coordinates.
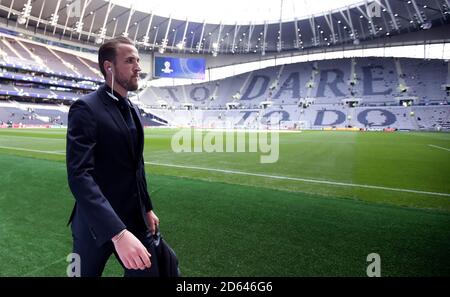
(330, 200)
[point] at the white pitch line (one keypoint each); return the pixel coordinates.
(28, 150)
(31, 273)
(439, 147)
(263, 175)
(32, 137)
(301, 179)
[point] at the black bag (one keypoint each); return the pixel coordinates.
(167, 259)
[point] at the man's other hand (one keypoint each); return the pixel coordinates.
(153, 220)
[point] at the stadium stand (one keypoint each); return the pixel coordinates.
(31, 73)
(376, 81)
(360, 92)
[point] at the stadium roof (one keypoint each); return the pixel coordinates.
(236, 11)
(273, 26)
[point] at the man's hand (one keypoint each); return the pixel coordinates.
(153, 220)
(131, 251)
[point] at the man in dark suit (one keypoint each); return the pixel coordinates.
(105, 140)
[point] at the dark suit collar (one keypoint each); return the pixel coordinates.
(115, 96)
(103, 91)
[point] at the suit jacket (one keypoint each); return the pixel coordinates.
(105, 171)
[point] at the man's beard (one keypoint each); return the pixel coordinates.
(129, 84)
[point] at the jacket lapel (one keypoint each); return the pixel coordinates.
(140, 130)
(112, 109)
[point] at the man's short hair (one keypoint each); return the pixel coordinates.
(107, 51)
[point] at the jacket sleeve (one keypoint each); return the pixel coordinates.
(80, 159)
(146, 196)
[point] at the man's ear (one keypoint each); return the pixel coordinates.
(107, 65)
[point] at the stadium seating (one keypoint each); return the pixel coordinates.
(311, 95)
(316, 93)
(375, 81)
(32, 114)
